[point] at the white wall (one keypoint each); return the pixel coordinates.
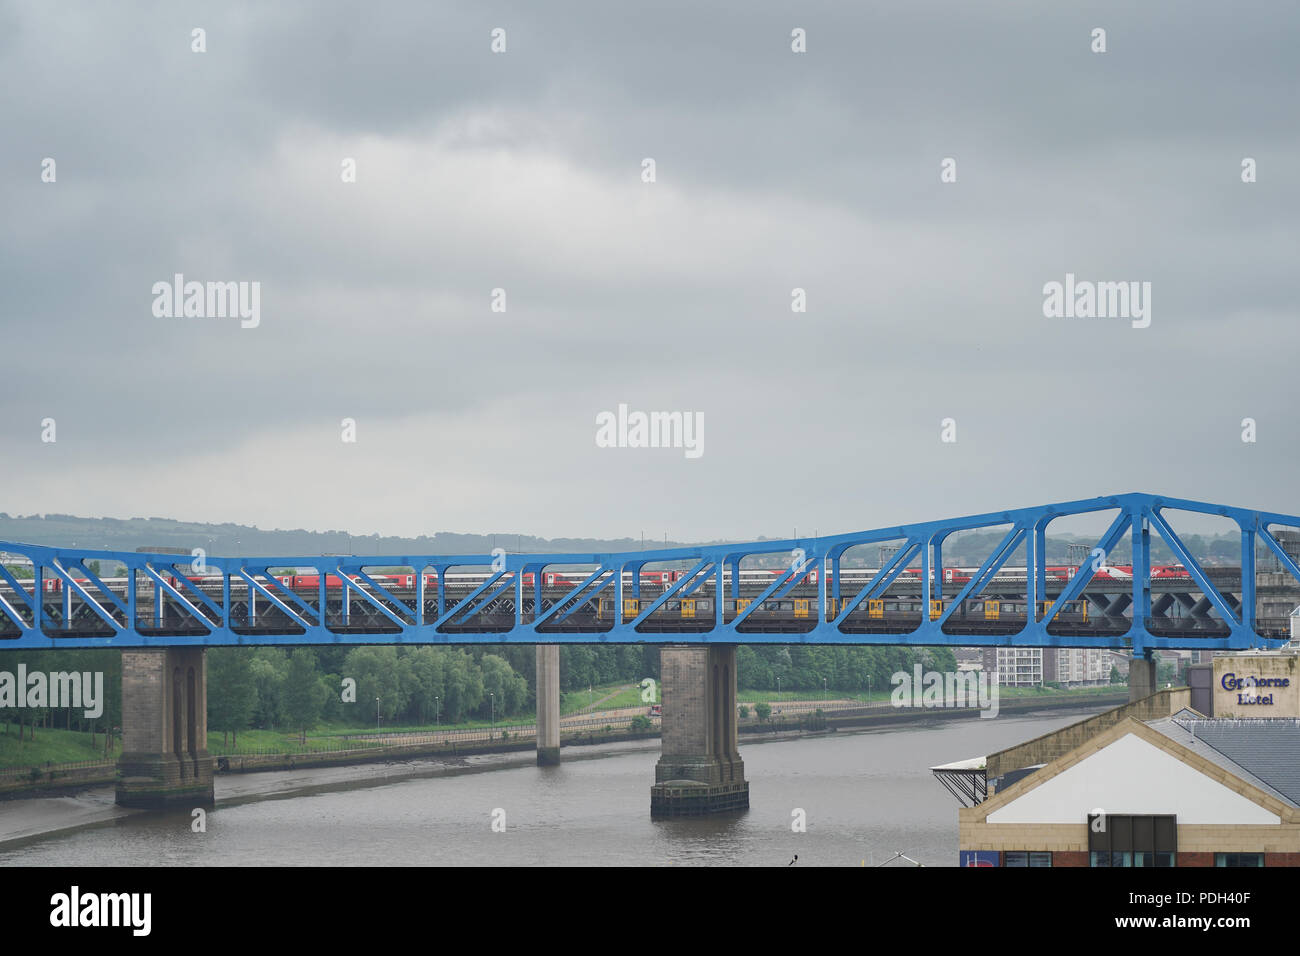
(1132, 776)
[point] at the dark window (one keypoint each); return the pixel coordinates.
(1126, 840)
(1239, 859)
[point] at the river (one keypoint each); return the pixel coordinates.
(865, 797)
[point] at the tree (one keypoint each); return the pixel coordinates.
(270, 670)
(302, 692)
(763, 709)
(503, 685)
(1115, 676)
(379, 672)
(232, 691)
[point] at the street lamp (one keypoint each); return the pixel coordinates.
(825, 693)
(437, 712)
(778, 690)
(494, 715)
(376, 715)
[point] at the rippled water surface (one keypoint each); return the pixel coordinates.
(865, 796)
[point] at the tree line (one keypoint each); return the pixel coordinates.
(270, 688)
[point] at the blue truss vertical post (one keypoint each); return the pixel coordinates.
(38, 597)
(537, 595)
(938, 570)
(67, 606)
(821, 588)
(419, 598)
(1141, 537)
(835, 585)
(131, 599)
(1039, 565)
(925, 583)
(719, 593)
(618, 595)
(225, 598)
(1031, 578)
(158, 599)
(1248, 579)
(519, 598)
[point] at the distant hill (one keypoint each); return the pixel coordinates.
(966, 549)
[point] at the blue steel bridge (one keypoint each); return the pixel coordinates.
(835, 589)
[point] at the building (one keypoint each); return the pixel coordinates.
(1034, 666)
(1151, 783)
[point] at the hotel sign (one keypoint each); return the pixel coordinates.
(1257, 685)
(1251, 689)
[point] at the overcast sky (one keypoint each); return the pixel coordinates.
(523, 171)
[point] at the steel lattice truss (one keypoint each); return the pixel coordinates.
(812, 590)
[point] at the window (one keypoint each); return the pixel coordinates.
(1124, 840)
(1239, 859)
(1026, 858)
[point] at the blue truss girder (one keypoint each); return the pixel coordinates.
(24, 611)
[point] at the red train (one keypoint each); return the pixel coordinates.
(653, 579)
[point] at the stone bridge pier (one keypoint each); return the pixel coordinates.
(164, 761)
(700, 770)
(1142, 677)
(548, 704)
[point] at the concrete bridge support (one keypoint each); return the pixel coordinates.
(165, 761)
(700, 770)
(1141, 677)
(548, 704)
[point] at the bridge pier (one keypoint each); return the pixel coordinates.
(165, 761)
(699, 770)
(548, 704)
(1141, 677)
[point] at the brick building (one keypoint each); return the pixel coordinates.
(1150, 783)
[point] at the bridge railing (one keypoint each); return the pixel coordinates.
(46, 768)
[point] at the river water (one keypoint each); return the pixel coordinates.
(865, 796)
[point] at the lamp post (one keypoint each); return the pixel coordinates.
(437, 711)
(825, 693)
(494, 716)
(778, 690)
(376, 715)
